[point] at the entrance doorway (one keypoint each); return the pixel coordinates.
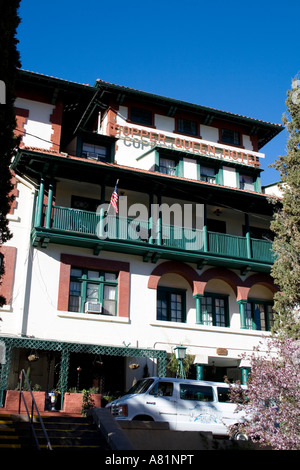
(105, 374)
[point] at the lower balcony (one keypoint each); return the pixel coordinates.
(152, 241)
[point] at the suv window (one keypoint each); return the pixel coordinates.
(141, 386)
(223, 395)
(162, 389)
(196, 392)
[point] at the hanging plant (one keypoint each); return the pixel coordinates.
(33, 356)
(134, 366)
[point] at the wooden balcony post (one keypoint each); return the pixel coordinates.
(242, 305)
(205, 234)
(197, 298)
(49, 205)
(100, 234)
(150, 220)
(159, 223)
(199, 372)
(245, 375)
(248, 239)
(40, 201)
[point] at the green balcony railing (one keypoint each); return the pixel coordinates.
(121, 228)
(228, 245)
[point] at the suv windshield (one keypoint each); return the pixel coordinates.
(141, 386)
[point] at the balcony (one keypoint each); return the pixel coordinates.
(82, 228)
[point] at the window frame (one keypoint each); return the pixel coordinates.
(161, 166)
(181, 129)
(216, 168)
(229, 141)
(84, 280)
(86, 204)
(162, 389)
(267, 321)
(168, 291)
(99, 157)
(194, 392)
(206, 177)
(134, 118)
(121, 267)
(215, 296)
(256, 182)
(243, 183)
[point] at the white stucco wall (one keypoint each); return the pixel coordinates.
(141, 329)
(20, 226)
(134, 151)
(38, 128)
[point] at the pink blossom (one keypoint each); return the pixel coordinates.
(271, 402)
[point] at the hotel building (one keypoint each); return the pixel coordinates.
(102, 297)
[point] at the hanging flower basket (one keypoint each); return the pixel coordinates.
(33, 357)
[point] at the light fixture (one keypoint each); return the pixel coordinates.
(217, 212)
(180, 353)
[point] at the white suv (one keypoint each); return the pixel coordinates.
(187, 405)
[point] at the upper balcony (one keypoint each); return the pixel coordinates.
(63, 176)
(150, 239)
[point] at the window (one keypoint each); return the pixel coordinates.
(162, 389)
(186, 126)
(97, 287)
(247, 182)
(223, 395)
(94, 152)
(214, 310)
(229, 136)
(141, 116)
(259, 315)
(141, 386)
(170, 305)
(84, 203)
(217, 226)
(168, 167)
(207, 174)
(196, 392)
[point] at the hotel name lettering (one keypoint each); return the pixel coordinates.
(142, 138)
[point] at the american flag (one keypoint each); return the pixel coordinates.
(114, 198)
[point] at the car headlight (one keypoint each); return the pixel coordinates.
(119, 410)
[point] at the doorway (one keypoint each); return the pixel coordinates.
(104, 374)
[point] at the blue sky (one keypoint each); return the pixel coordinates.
(230, 55)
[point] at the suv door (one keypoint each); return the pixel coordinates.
(197, 409)
(161, 402)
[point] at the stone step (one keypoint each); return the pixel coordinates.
(64, 433)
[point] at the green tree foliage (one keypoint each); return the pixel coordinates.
(286, 225)
(9, 63)
(172, 365)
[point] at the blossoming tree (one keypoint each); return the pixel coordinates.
(271, 402)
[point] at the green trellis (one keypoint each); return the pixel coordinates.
(66, 349)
